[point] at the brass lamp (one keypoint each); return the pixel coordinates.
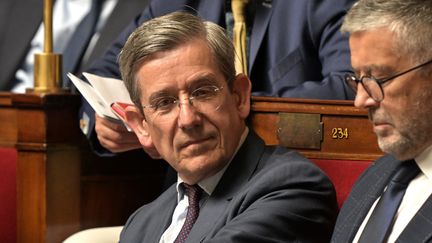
(47, 65)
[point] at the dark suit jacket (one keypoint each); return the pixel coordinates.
(267, 194)
(364, 193)
(20, 19)
(296, 49)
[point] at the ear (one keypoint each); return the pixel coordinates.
(136, 122)
(242, 91)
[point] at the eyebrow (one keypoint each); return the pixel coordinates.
(158, 94)
(206, 79)
(380, 69)
(203, 80)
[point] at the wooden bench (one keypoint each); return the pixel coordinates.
(334, 134)
(62, 187)
(55, 185)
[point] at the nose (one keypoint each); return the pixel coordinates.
(188, 116)
(362, 99)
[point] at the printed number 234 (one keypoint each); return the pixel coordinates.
(339, 133)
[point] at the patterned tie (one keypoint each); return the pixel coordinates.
(381, 220)
(79, 41)
(194, 194)
(239, 34)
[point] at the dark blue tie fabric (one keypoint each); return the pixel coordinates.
(79, 41)
(194, 195)
(381, 221)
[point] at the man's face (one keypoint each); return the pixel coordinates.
(196, 142)
(402, 120)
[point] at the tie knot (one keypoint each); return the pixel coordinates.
(238, 9)
(194, 193)
(406, 172)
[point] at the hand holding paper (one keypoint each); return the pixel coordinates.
(101, 93)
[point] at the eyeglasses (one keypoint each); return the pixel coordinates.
(203, 99)
(372, 85)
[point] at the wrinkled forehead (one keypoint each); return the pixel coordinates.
(373, 50)
(183, 68)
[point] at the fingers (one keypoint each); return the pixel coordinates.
(115, 137)
(103, 123)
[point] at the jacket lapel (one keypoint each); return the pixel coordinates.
(362, 197)
(419, 229)
(261, 21)
(122, 14)
(162, 211)
(236, 176)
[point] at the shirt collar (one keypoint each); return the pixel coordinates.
(424, 161)
(210, 183)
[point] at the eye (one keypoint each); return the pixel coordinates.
(205, 92)
(163, 103)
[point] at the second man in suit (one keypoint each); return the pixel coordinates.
(391, 55)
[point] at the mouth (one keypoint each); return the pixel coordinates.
(378, 120)
(380, 127)
(382, 122)
(375, 123)
(195, 142)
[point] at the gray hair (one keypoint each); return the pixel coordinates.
(167, 33)
(409, 20)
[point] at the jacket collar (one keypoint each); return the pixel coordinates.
(239, 172)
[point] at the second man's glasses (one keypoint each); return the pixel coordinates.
(372, 85)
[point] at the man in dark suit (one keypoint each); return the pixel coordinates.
(20, 19)
(392, 58)
(295, 50)
(191, 106)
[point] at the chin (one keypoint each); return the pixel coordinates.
(198, 162)
(400, 148)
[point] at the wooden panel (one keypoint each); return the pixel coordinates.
(49, 118)
(110, 200)
(48, 167)
(8, 128)
(31, 183)
(48, 200)
(124, 183)
(265, 125)
(347, 133)
(62, 186)
(276, 105)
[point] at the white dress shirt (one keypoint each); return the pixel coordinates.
(418, 191)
